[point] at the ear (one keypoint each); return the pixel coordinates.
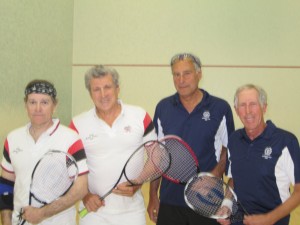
(236, 111)
(55, 106)
(265, 108)
(200, 74)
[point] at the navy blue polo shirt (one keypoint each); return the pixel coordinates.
(263, 169)
(205, 129)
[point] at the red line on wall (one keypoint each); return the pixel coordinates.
(208, 66)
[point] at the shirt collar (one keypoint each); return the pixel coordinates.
(266, 134)
(204, 101)
(51, 129)
(119, 102)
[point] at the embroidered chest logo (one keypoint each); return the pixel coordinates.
(91, 137)
(206, 115)
(17, 150)
(127, 129)
(267, 153)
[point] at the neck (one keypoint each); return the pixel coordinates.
(252, 134)
(191, 101)
(36, 130)
(109, 116)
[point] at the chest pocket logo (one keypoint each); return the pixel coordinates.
(91, 137)
(206, 115)
(267, 153)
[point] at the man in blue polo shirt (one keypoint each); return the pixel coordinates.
(204, 122)
(263, 162)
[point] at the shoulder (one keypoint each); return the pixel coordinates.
(167, 102)
(17, 132)
(67, 132)
(285, 135)
(218, 106)
(168, 99)
(133, 110)
(217, 101)
(235, 135)
(82, 117)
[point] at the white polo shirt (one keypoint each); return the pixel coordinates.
(21, 153)
(108, 148)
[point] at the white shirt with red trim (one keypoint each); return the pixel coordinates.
(21, 153)
(107, 149)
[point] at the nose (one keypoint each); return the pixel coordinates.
(248, 109)
(179, 77)
(38, 107)
(102, 92)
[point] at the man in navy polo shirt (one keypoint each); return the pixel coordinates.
(204, 122)
(263, 162)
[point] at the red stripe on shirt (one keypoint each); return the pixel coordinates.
(77, 146)
(72, 126)
(147, 121)
(6, 146)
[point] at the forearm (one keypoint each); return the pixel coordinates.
(154, 186)
(288, 206)
(219, 169)
(153, 206)
(76, 193)
(6, 217)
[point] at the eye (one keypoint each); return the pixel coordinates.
(96, 89)
(31, 102)
(44, 102)
(253, 104)
(187, 73)
(176, 74)
(107, 87)
(243, 105)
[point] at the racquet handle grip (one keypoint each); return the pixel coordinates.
(83, 212)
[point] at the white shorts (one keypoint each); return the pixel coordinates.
(131, 218)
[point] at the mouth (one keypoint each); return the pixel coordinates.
(249, 119)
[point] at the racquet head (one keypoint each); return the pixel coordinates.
(53, 176)
(184, 162)
(147, 163)
(209, 196)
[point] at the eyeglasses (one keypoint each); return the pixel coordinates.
(184, 56)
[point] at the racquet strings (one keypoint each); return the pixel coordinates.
(147, 163)
(184, 163)
(53, 176)
(209, 196)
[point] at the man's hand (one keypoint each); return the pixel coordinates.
(92, 202)
(126, 189)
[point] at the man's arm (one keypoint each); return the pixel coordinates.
(6, 217)
(7, 200)
(219, 169)
(279, 212)
(76, 193)
(153, 205)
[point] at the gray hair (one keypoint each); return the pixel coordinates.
(262, 95)
(100, 71)
(183, 56)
